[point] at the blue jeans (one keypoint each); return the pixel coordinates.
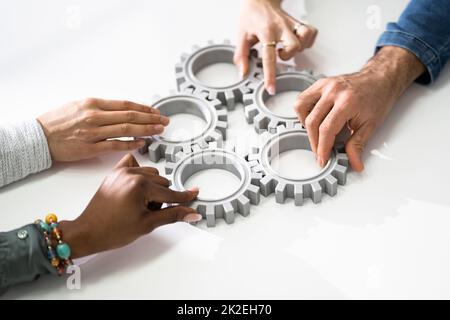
(424, 29)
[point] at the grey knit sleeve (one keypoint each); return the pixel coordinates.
(23, 151)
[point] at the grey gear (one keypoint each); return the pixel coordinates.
(187, 164)
(271, 145)
(216, 53)
(213, 112)
(260, 115)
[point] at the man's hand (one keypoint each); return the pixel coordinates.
(361, 101)
(264, 21)
(126, 206)
(81, 129)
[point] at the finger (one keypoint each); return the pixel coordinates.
(269, 59)
(291, 45)
(146, 170)
(117, 145)
(355, 146)
(166, 195)
(135, 117)
(127, 161)
(155, 179)
(153, 206)
(169, 215)
(242, 55)
(126, 130)
(315, 118)
(123, 105)
(306, 101)
(328, 130)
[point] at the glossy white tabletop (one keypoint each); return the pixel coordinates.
(384, 235)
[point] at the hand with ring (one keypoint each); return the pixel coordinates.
(266, 22)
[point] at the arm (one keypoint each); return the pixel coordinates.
(76, 131)
(266, 22)
(416, 48)
(126, 206)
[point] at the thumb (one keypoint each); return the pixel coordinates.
(170, 215)
(127, 161)
(355, 146)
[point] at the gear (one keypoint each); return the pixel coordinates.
(271, 145)
(187, 164)
(260, 115)
(216, 53)
(213, 112)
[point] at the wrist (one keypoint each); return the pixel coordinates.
(76, 235)
(396, 67)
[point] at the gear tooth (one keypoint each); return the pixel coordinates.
(195, 48)
(280, 192)
(180, 79)
(253, 85)
(298, 194)
(221, 126)
(188, 91)
(256, 178)
(267, 185)
(230, 147)
(168, 169)
(244, 90)
(170, 152)
(298, 125)
(227, 41)
(340, 173)
(228, 212)
(316, 192)
(258, 168)
(212, 145)
(187, 149)
(280, 129)
(273, 126)
(251, 111)
(213, 95)
(330, 185)
(222, 115)
(197, 148)
(202, 94)
(260, 122)
(248, 99)
(178, 156)
(243, 204)
(218, 104)
(230, 99)
(264, 138)
(342, 159)
(183, 87)
(154, 151)
(210, 216)
(184, 56)
(253, 157)
(214, 136)
(252, 193)
(178, 67)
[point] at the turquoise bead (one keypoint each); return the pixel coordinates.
(44, 226)
(54, 225)
(63, 250)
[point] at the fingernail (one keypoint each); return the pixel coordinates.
(194, 190)
(241, 72)
(271, 90)
(321, 162)
(165, 120)
(159, 128)
(192, 218)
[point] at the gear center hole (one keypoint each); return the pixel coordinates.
(216, 69)
(291, 157)
(216, 181)
(283, 102)
(188, 119)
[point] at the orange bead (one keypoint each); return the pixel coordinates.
(55, 262)
(51, 217)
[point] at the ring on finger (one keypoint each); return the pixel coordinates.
(270, 44)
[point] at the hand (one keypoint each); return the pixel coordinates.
(361, 100)
(126, 206)
(264, 21)
(81, 129)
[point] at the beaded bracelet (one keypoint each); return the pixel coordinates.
(60, 256)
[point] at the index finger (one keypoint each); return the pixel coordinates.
(269, 59)
(124, 105)
(166, 195)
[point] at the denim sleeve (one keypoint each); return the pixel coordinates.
(22, 256)
(424, 29)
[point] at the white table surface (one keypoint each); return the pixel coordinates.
(385, 235)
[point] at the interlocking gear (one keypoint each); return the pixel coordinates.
(213, 112)
(260, 115)
(187, 164)
(271, 145)
(216, 53)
